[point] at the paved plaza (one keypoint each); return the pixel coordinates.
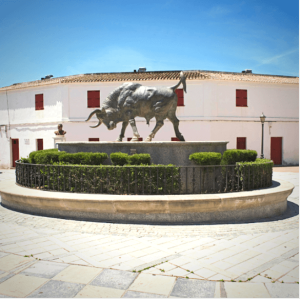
(49, 257)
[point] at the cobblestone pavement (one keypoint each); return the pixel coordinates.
(49, 257)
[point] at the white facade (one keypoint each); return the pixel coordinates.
(209, 114)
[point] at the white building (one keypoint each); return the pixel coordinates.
(217, 106)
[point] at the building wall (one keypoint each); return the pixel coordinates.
(210, 113)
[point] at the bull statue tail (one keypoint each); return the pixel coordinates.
(92, 113)
(182, 80)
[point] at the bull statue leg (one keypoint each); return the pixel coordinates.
(158, 125)
(175, 122)
(135, 131)
(124, 126)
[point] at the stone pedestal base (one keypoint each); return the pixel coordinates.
(58, 138)
(176, 153)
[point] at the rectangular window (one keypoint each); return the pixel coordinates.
(39, 102)
(180, 97)
(94, 139)
(140, 139)
(175, 139)
(93, 98)
(241, 98)
(241, 143)
(40, 144)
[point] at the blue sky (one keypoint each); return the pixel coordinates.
(63, 37)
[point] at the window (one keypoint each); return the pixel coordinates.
(93, 98)
(140, 139)
(241, 143)
(241, 98)
(175, 139)
(180, 97)
(40, 144)
(94, 139)
(39, 102)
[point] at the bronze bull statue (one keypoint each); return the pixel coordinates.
(131, 100)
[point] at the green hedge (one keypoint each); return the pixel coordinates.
(83, 158)
(121, 159)
(253, 173)
(142, 179)
(139, 159)
(231, 157)
(206, 158)
(50, 156)
(45, 157)
(32, 155)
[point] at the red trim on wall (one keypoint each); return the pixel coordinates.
(39, 102)
(15, 150)
(180, 97)
(241, 98)
(94, 139)
(40, 144)
(93, 98)
(241, 143)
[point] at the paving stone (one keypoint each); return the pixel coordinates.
(20, 285)
(78, 274)
(45, 269)
(132, 294)
(57, 289)
(283, 290)
(2, 254)
(246, 290)
(116, 279)
(11, 261)
(155, 284)
(191, 288)
(90, 291)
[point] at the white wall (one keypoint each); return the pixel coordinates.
(210, 113)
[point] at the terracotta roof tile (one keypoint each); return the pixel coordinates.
(158, 75)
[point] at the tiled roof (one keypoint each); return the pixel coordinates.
(158, 75)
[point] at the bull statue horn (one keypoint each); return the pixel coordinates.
(103, 110)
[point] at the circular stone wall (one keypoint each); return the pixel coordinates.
(160, 209)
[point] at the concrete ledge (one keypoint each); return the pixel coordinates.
(175, 209)
(176, 153)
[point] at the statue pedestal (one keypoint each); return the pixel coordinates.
(176, 153)
(58, 138)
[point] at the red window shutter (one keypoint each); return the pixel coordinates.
(180, 97)
(241, 143)
(140, 139)
(39, 102)
(93, 98)
(175, 139)
(241, 98)
(40, 144)
(94, 139)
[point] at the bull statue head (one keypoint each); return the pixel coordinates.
(103, 117)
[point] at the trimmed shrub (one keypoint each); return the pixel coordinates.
(25, 160)
(47, 157)
(124, 180)
(230, 157)
(139, 159)
(206, 158)
(119, 158)
(253, 174)
(33, 154)
(83, 158)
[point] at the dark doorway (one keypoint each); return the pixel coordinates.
(15, 150)
(276, 150)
